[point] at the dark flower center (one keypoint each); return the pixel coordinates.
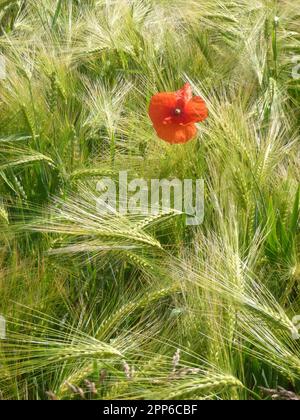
(177, 111)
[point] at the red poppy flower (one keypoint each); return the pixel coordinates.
(174, 114)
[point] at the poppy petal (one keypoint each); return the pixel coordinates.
(184, 95)
(195, 110)
(161, 107)
(176, 134)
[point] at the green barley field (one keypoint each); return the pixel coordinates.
(121, 305)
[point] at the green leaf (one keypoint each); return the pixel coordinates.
(57, 12)
(295, 214)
